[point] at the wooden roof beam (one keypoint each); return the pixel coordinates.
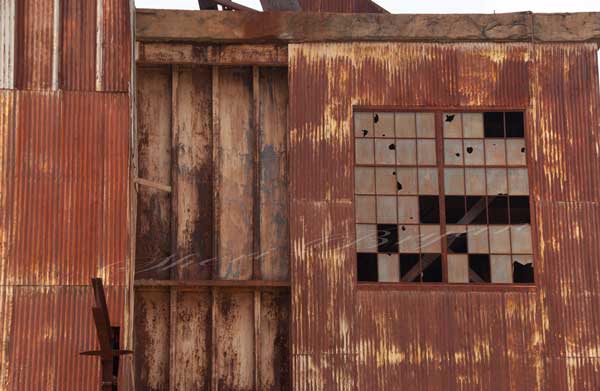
(286, 27)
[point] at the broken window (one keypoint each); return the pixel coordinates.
(442, 197)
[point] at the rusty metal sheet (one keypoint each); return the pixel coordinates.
(67, 165)
(499, 335)
(34, 42)
(7, 43)
(116, 45)
(52, 324)
(78, 49)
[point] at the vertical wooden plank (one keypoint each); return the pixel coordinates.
(154, 206)
(274, 230)
(151, 343)
(234, 339)
(257, 337)
(193, 173)
(193, 340)
(173, 346)
(235, 174)
(274, 341)
(256, 258)
(7, 43)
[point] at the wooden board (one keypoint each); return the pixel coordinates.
(193, 173)
(257, 27)
(274, 231)
(154, 206)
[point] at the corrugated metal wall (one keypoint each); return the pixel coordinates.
(64, 154)
(522, 339)
(212, 143)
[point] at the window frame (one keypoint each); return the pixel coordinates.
(438, 112)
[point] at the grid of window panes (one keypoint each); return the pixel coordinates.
(481, 235)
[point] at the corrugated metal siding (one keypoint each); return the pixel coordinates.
(545, 339)
(48, 327)
(116, 41)
(67, 167)
(7, 43)
(78, 54)
(34, 44)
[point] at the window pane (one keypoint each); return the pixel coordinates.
(386, 210)
(518, 181)
(429, 210)
(406, 180)
(408, 239)
(479, 268)
(425, 125)
(452, 125)
(493, 124)
(475, 181)
(365, 209)
(430, 239)
(365, 151)
(410, 267)
(501, 267)
(458, 268)
(406, 152)
(367, 267)
(499, 239)
(427, 152)
(515, 125)
(496, 181)
(454, 181)
(408, 210)
(432, 267)
(366, 238)
(363, 125)
(474, 152)
(385, 152)
(405, 125)
(521, 239)
(387, 238)
(473, 125)
(388, 267)
(495, 152)
(516, 153)
(364, 180)
(384, 125)
(477, 239)
(386, 180)
(428, 181)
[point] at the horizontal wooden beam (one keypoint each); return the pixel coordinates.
(286, 27)
(159, 53)
(212, 283)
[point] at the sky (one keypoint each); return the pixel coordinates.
(427, 6)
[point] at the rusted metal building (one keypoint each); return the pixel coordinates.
(237, 188)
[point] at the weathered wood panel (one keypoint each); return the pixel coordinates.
(274, 231)
(273, 345)
(233, 341)
(192, 340)
(235, 173)
(154, 155)
(193, 173)
(256, 27)
(151, 340)
(158, 53)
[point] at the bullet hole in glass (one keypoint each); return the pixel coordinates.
(399, 185)
(469, 150)
(392, 147)
(404, 228)
(523, 150)
(450, 117)
(457, 154)
(365, 132)
(376, 118)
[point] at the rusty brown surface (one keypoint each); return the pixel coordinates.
(116, 49)
(448, 338)
(78, 55)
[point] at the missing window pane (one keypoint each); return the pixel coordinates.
(523, 274)
(477, 210)
(455, 209)
(366, 267)
(410, 268)
(432, 267)
(519, 210)
(457, 243)
(515, 125)
(493, 124)
(387, 238)
(429, 209)
(479, 268)
(498, 210)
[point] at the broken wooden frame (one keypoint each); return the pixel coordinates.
(108, 339)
